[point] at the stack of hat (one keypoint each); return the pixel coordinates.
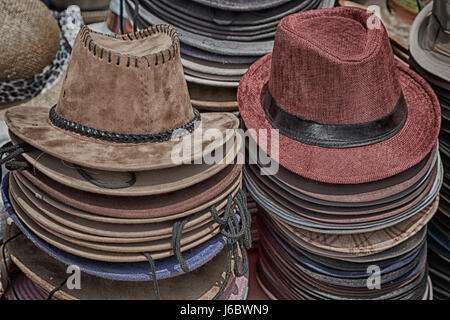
(105, 180)
(397, 16)
(430, 57)
(220, 39)
(35, 52)
(91, 10)
(359, 172)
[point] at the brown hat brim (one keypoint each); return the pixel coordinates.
(166, 206)
(356, 193)
(147, 183)
(36, 129)
(94, 251)
(366, 243)
(44, 218)
(115, 232)
(48, 273)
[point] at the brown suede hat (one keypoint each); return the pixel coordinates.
(124, 106)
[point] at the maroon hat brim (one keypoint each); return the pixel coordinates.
(350, 165)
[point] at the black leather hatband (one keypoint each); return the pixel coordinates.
(335, 135)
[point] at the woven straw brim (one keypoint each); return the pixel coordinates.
(349, 165)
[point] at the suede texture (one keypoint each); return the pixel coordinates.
(130, 228)
(110, 85)
(106, 231)
(36, 129)
(147, 182)
(183, 202)
(129, 84)
(116, 253)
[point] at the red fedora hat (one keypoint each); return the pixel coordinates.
(346, 111)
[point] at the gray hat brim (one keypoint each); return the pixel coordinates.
(433, 62)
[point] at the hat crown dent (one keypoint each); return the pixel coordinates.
(334, 66)
(126, 84)
(437, 34)
(441, 10)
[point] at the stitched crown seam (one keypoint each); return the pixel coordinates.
(153, 59)
(375, 49)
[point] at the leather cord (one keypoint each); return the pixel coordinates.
(104, 185)
(153, 273)
(72, 126)
(121, 17)
(59, 287)
(235, 228)
(13, 151)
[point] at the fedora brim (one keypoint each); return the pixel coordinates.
(147, 182)
(36, 129)
(367, 243)
(242, 5)
(349, 165)
(435, 63)
(213, 68)
(213, 98)
(381, 191)
(310, 221)
(338, 214)
(288, 256)
(213, 57)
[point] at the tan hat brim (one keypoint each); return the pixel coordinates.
(147, 183)
(36, 129)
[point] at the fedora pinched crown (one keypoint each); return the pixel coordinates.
(438, 30)
(125, 85)
(332, 67)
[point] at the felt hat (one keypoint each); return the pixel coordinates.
(429, 40)
(141, 100)
(366, 118)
